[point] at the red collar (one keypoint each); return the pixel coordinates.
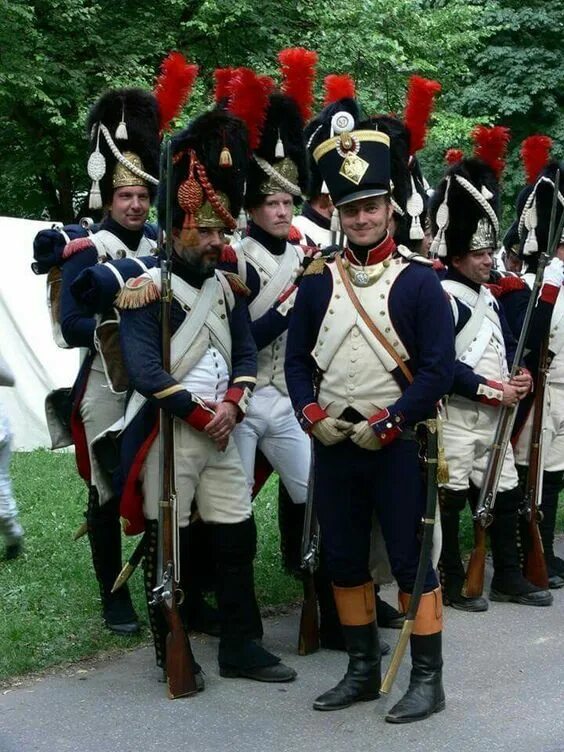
(376, 254)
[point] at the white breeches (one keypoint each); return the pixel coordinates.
(553, 432)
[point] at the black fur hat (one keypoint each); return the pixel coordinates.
(534, 207)
(219, 142)
(282, 147)
(130, 118)
(464, 209)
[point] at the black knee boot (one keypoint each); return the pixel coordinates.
(425, 694)
(362, 680)
(157, 621)
(239, 654)
(508, 583)
(104, 534)
(450, 564)
(291, 525)
(197, 575)
(552, 484)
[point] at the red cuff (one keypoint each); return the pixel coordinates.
(549, 293)
(199, 417)
(240, 398)
(311, 414)
(490, 393)
(387, 427)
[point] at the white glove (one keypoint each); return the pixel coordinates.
(331, 431)
(363, 436)
(554, 273)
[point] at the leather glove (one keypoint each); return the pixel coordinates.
(554, 273)
(363, 436)
(331, 431)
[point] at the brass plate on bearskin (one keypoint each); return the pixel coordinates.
(353, 168)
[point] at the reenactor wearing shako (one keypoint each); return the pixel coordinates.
(533, 224)
(464, 213)
(123, 127)
(208, 390)
(361, 371)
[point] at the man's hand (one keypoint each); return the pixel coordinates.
(220, 426)
(523, 382)
(331, 431)
(511, 395)
(363, 436)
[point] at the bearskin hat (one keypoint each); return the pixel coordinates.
(534, 208)
(126, 121)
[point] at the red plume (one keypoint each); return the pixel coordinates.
(248, 100)
(490, 145)
(222, 78)
(298, 74)
(173, 86)
(535, 153)
(421, 94)
(338, 87)
(453, 156)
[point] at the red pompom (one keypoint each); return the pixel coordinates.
(490, 145)
(453, 156)
(173, 86)
(535, 153)
(248, 100)
(338, 87)
(298, 74)
(421, 94)
(222, 78)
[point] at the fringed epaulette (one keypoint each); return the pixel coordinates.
(506, 285)
(137, 293)
(315, 267)
(237, 284)
(408, 255)
(228, 255)
(76, 245)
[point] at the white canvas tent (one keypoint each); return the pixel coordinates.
(25, 337)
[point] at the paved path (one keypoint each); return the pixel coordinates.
(504, 679)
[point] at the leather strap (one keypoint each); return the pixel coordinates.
(392, 352)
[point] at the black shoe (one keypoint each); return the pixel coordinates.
(277, 673)
(462, 603)
(555, 565)
(425, 694)
(362, 680)
(119, 614)
(13, 550)
(555, 581)
(387, 617)
(536, 597)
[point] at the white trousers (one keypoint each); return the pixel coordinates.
(10, 528)
(271, 426)
(468, 432)
(553, 432)
(213, 479)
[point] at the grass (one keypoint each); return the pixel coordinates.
(50, 601)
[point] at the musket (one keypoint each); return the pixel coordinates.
(432, 458)
(535, 564)
(167, 594)
(308, 641)
(483, 515)
(131, 565)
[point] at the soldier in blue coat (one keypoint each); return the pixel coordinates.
(352, 393)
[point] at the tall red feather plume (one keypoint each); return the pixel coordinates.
(222, 78)
(535, 153)
(248, 100)
(453, 156)
(490, 145)
(338, 87)
(298, 74)
(421, 94)
(173, 86)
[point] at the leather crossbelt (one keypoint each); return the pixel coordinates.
(392, 352)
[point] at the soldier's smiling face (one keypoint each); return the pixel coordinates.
(476, 265)
(200, 248)
(130, 206)
(366, 221)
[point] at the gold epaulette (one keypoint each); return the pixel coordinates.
(316, 267)
(237, 284)
(137, 293)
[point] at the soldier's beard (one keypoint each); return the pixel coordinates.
(201, 264)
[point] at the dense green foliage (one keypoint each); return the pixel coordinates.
(499, 62)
